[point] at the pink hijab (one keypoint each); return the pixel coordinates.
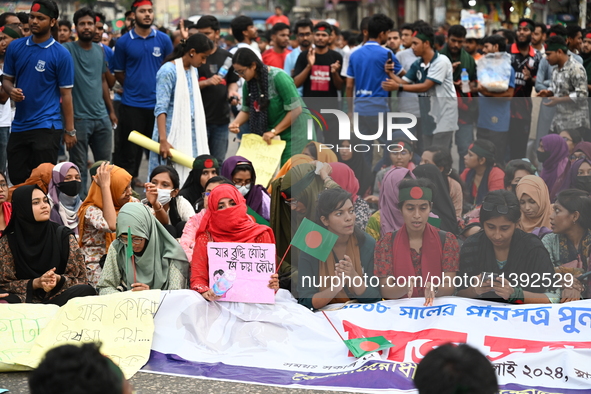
(391, 217)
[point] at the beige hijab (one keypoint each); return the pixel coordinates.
(536, 188)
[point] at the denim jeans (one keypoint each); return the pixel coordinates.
(464, 137)
(217, 136)
(4, 135)
(96, 133)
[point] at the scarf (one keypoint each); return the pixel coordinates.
(231, 224)
(7, 212)
(323, 155)
(289, 164)
(180, 137)
(391, 217)
(465, 59)
(120, 179)
(442, 204)
(536, 188)
(431, 255)
(36, 246)
(482, 188)
(40, 176)
(161, 251)
(555, 167)
(65, 208)
(345, 178)
(192, 188)
(574, 170)
(584, 147)
(258, 102)
(327, 269)
(254, 197)
(362, 172)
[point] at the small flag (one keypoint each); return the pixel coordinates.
(129, 250)
(118, 24)
(256, 217)
(314, 240)
(360, 347)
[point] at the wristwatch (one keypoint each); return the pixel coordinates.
(274, 131)
(70, 133)
(401, 88)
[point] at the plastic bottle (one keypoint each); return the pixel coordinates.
(224, 283)
(224, 69)
(465, 81)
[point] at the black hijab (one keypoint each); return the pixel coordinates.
(36, 246)
(442, 203)
(192, 188)
(362, 172)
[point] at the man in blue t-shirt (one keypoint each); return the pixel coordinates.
(138, 57)
(38, 74)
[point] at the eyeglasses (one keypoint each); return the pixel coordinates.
(134, 240)
(572, 157)
(502, 209)
(567, 139)
(3, 185)
(205, 194)
(240, 73)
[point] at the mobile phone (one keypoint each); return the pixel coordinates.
(490, 276)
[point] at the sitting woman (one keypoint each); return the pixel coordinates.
(502, 262)
(357, 162)
(572, 138)
(158, 261)
(241, 172)
(351, 257)
(417, 249)
(515, 170)
(204, 168)
(402, 158)
(582, 151)
(580, 175)
(317, 151)
(40, 261)
(481, 174)
(534, 202)
(225, 220)
(5, 206)
(569, 244)
(442, 159)
(172, 210)
(40, 176)
(344, 176)
(64, 190)
(553, 154)
(190, 230)
(109, 191)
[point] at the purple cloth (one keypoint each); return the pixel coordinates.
(254, 197)
(555, 167)
(391, 217)
(58, 175)
(574, 171)
(584, 147)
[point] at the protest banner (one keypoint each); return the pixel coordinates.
(535, 349)
(251, 264)
(265, 158)
(122, 322)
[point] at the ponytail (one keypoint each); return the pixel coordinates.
(199, 42)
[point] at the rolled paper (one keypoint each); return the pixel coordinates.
(150, 144)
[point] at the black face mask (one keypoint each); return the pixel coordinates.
(583, 183)
(71, 188)
(543, 156)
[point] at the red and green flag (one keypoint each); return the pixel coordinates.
(360, 347)
(118, 24)
(314, 240)
(257, 218)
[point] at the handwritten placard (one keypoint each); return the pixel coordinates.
(252, 265)
(122, 322)
(265, 158)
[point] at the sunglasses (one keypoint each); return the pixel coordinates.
(502, 209)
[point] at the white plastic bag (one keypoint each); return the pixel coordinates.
(494, 71)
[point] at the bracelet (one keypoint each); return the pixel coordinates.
(158, 210)
(517, 296)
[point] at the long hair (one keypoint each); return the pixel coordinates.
(258, 88)
(199, 42)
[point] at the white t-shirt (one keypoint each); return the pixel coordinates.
(6, 113)
(408, 101)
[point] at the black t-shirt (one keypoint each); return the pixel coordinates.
(320, 81)
(215, 98)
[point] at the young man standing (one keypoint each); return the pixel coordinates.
(277, 18)
(586, 55)
(574, 38)
(7, 35)
(98, 35)
(94, 116)
(394, 41)
(45, 73)
(431, 76)
(406, 35)
(303, 30)
(538, 37)
(218, 90)
(276, 55)
(471, 47)
(138, 57)
(64, 33)
(245, 34)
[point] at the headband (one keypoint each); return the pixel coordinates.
(138, 3)
(422, 36)
(326, 29)
(481, 152)
(415, 193)
(42, 8)
(405, 145)
(556, 46)
(97, 19)
(527, 24)
(10, 32)
(200, 164)
(588, 35)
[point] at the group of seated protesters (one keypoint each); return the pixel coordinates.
(419, 230)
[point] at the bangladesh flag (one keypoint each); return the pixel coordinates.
(360, 347)
(314, 240)
(256, 217)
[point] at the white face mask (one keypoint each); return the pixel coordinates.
(243, 189)
(164, 196)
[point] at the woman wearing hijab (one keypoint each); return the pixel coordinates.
(5, 206)
(204, 168)
(40, 261)
(289, 164)
(481, 174)
(158, 261)
(40, 176)
(553, 153)
(345, 178)
(351, 256)
(582, 151)
(442, 204)
(389, 218)
(534, 202)
(241, 172)
(226, 220)
(64, 190)
(359, 166)
(109, 191)
(580, 175)
(317, 151)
